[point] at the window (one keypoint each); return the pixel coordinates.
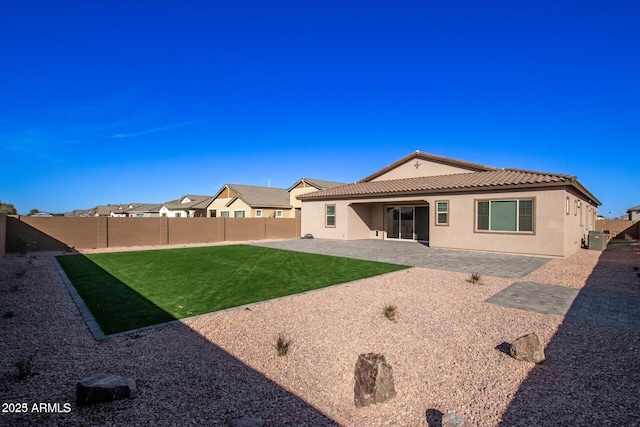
(238, 214)
(504, 215)
(442, 214)
(567, 204)
(212, 213)
(278, 214)
(330, 215)
(258, 213)
(178, 214)
(224, 214)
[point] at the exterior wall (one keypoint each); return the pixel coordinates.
(164, 212)
(61, 233)
(239, 205)
(579, 220)
(222, 198)
(3, 233)
(299, 190)
(425, 168)
(359, 219)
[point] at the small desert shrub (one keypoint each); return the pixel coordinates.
(475, 278)
(282, 345)
(23, 365)
(390, 312)
(8, 315)
(28, 243)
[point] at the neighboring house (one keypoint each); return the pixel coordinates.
(148, 210)
(455, 204)
(187, 206)
(79, 213)
(250, 201)
(115, 210)
(634, 213)
(307, 185)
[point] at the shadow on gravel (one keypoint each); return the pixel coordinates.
(591, 375)
(182, 378)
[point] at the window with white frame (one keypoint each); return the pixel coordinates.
(258, 213)
(505, 215)
(224, 214)
(238, 214)
(442, 212)
(178, 214)
(279, 214)
(330, 215)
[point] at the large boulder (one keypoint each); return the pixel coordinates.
(104, 388)
(527, 348)
(373, 380)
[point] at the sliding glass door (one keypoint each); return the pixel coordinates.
(407, 222)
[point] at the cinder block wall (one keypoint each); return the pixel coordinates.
(60, 233)
(620, 228)
(3, 233)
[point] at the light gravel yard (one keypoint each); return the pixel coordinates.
(444, 349)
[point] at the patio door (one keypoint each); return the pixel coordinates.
(407, 222)
(400, 224)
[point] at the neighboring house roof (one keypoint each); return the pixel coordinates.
(145, 208)
(472, 167)
(490, 179)
(256, 196)
(105, 210)
(634, 209)
(319, 184)
(189, 201)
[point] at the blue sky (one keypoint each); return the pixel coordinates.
(143, 101)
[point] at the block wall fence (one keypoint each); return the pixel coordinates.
(3, 233)
(620, 229)
(61, 233)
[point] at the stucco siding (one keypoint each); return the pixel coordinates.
(425, 168)
(298, 191)
(359, 219)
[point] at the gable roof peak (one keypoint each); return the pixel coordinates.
(421, 155)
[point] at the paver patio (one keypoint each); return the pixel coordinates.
(417, 255)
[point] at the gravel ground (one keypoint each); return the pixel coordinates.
(444, 349)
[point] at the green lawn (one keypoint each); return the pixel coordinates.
(129, 290)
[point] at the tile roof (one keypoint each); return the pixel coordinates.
(493, 179)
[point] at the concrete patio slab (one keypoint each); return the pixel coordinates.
(417, 255)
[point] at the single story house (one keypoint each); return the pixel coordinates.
(456, 204)
(187, 206)
(149, 210)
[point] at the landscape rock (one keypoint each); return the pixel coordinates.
(453, 420)
(373, 380)
(104, 388)
(527, 348)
